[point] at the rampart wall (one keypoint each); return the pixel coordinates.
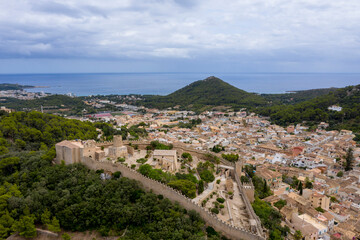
(176, 196)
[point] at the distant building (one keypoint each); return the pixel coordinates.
(335, 108)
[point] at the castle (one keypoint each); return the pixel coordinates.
(76, 150)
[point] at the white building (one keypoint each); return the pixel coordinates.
(335, 108)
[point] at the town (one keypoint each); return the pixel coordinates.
(310, 175)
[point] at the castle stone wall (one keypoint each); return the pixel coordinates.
(175, 196)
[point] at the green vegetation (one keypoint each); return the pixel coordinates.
(217, 148)
(189, 124)
(157, 145)
(187, 187)
(34, 191)
(308, 183)
(340, 174)
(205, 171)
(204, 94)
(34, 130)
(262, 190)
(298, 235)
(296, 96)
(52, 103)
(270, 218)
(75, 198)
(315, 110)
(141, 160)
(186, 183)
(187, 157)
(319, 209)
(9, 86)
(231, 157)
(308, 106)
(200, 186)
(280, 204)
(220, 200)
(349, 160)
(135, 131)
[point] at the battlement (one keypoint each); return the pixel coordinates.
(227, 229)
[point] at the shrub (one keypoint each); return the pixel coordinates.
(220, 200)
(141, 160)
(215, 210)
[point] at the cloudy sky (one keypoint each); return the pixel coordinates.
(179, 36)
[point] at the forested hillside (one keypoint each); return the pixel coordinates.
(34, 191)
(206, 93)
(296, 96)
(33, 130)
(316, 110)
(72, 105)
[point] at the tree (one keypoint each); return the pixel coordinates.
(207, 176)
(231, 157)
(187, 157)
(340, 174)
(265, 190)
(187, 187)
(54, 226)
(300, 188)
(200, 186)
(280, 204)
(66, 236)
(308, 183)
(298, 235)
(25, 226)
(349, 160)
(45, 217)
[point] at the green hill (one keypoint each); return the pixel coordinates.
(293, 97)
(316, 110)
(10, 86)
(204, 94)
(55, 102)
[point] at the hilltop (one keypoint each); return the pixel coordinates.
(206, 93)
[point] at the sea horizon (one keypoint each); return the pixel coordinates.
(162, 83)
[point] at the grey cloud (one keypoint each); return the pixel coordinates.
(275, 31)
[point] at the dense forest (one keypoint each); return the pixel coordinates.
(34, 130)
(316, 110)
(34, 191)
(293, 97)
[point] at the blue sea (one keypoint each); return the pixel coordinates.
(84, 84)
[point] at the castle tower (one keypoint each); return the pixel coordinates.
(118, 141)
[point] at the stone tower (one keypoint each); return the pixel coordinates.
(118, 141)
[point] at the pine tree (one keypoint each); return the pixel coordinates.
(300, 188)
(265, 190)
(349, 159)
(54, 226)
(25, 226)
